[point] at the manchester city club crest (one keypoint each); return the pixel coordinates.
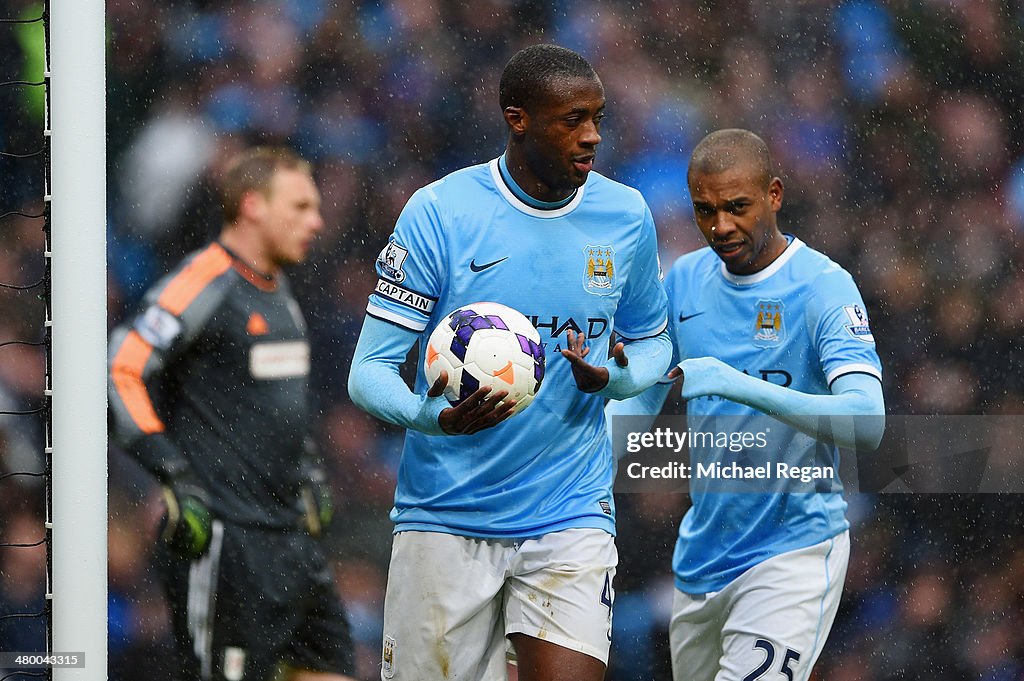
(770, 325)
(599, 269)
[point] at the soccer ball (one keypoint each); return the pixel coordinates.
(486, 344)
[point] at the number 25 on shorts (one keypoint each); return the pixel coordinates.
(769, 657)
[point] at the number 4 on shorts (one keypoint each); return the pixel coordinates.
(769, 657)
(607, 596)
(606, 592)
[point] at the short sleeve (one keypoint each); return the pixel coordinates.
(643, 308)
(840, 327)
(410, 267)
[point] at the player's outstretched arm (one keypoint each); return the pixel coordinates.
(855, 407)
(376, 386)
(622, 376)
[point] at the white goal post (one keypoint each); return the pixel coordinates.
(78, 302)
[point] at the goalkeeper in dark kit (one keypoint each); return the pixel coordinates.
(208, 391)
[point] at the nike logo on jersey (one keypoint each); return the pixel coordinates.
(683, 318)
(480, 268)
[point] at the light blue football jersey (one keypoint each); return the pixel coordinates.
(590, 265)
(800, 323)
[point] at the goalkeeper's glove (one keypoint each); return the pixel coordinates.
(188, 525)
(317, 503)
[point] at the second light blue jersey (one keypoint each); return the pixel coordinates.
(800, 323)
(590, 266)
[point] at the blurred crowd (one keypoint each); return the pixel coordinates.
(897, 127)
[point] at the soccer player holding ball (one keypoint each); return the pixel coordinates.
(762, 325)
(504, 529)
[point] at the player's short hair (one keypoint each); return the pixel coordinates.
(530, 72)
(253, 170)
(723, 149)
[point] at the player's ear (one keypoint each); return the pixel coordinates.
(517, 119)
(251, 204)
(775, 191)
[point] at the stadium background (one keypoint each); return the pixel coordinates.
(898, 128)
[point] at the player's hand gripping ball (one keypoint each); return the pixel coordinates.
(486, 344)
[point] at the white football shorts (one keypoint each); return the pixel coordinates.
(769, 623)
(452, 600)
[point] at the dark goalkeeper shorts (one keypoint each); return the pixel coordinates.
(257, 599)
